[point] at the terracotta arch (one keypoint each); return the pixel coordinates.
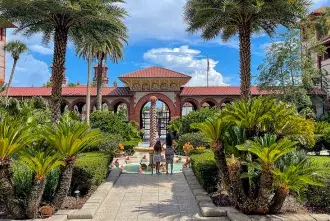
(225, 100)
(139, 105)
(103, 102)
(114, 104)
(192, 101)
(209, 100)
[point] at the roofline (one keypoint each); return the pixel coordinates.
(125, 75)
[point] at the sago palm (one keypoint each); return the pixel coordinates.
(60, 20)
(15, 48)
(214, 129)
(41, 164)
(267, 150)
(13, 137)
(226, 18)
(298, 173)
(69, 138)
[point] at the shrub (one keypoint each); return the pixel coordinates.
(196, 139)
(129, 146)
(182, 125)
(51, 185)
(89, 170)
(110, 143)
(111, 123)
(205, 169)
(22, 179)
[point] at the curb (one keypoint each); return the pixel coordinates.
(206, 206)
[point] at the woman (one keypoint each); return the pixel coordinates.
(157, 155)
(169, 152)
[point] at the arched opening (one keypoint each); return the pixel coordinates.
(105, 106)
(209, 103)
(224, 102)
(163, 119)
(65, 106)
(189, 105)
(80, 107)
(120, 107)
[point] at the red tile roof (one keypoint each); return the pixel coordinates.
(155, 72)
(214, 90)
(227, 90)
(67, 91)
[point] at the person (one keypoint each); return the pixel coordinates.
(169, 151)
(157, 155)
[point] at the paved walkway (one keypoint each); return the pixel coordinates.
(149, 197)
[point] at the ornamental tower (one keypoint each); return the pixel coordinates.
(105, 78)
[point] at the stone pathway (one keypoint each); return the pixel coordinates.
(149, 197)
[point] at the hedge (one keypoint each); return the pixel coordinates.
(129, 146)
(89, 170)
(205, 170)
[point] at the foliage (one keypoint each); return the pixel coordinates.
(90, 170)
(228, 18)
(249, 139)
(22, 180)
(205, 169)
(196, 139)
(110, 143)
(129, 146)
(182, 125)
(110, 123)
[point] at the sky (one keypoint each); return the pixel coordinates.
(157, 38)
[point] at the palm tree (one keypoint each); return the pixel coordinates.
(214, 129)
(69, 137)
(61, 20)
(228, 18)
(16, 48)
(41, 165)
(13, 137)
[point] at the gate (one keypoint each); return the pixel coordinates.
(163, 119)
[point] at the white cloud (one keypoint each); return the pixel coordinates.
(29, 71)
(188, 61)
(41, 49)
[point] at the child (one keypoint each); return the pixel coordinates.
(169, 152)
(157, 155)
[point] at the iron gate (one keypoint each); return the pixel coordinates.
(163, 119)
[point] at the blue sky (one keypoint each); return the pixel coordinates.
(157, 38)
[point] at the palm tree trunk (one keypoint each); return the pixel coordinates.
(35, 198)
(220, 159)
(60, 44)
(10, 79)
(265, 189)
(88, 97)
(244, 32)
(277, 202)
(99, 82)
(7, 194)
(64, 186)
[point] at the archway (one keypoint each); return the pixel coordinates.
(209, 102)
(65, 106)
(189, 105)
(79, 106)
(105, 105)
(121, 107)
(168, 113)
(225, 101)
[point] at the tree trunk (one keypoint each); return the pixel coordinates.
(35, 198)
(99, 82)
(220, 159)
(278, 199)
(64, 186)
(60, 44)
(7, 194)
(244, 32)
(265, 189)
(88, 96)
(10, 79)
